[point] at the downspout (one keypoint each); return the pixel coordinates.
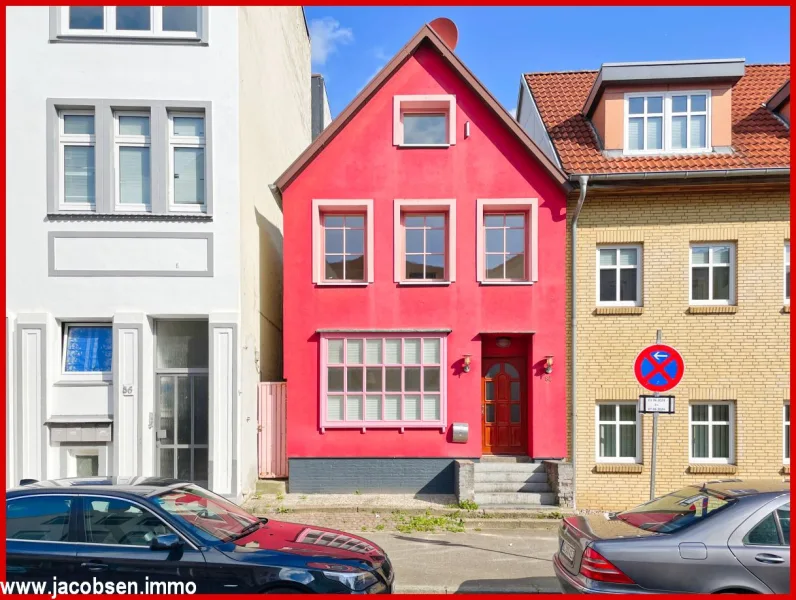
(584, 183)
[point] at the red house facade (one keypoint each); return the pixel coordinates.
(424, 278)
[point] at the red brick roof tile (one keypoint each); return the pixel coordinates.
(759, 139)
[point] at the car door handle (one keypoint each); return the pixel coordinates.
(772, 559)
(94, 566)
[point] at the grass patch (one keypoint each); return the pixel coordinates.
(282, 510)
(430, 523)
(380, 527)
(468, 505)
(553, 514)
(280, 496)
(357, 492)
(302, 497)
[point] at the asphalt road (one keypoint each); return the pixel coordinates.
(512, 561)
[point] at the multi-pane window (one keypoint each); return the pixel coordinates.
(132, 21)
(425, 129)
(344, 247)
(787, 272)
(712, 274)
(87, 348)
(617, 432)
(712, 431)
(187, 160)
(645, 123)
(786, 434)
(133, 163)
(78, 167)
(424, 247)
(381, 381)
(505, 247)
(667, 122)
(619, 276)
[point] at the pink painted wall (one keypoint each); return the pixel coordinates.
(361, 162)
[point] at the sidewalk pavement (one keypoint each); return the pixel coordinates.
(497, 562)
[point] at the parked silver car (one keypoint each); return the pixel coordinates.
(729, 536)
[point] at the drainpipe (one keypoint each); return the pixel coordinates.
(583, 180)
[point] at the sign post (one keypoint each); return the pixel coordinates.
(658, 368)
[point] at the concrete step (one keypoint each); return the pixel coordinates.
(271, 486)
(508, 486)
(491, 499)
(494, 467)
(506, 459)
(509, 476)
(545, 524)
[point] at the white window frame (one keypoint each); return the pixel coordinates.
(73, 453)
(72, 139)
(786, 269)
(785, 432)
(109, 26)
(667, 122)
(434, 104)
(639, 273)
(82, 376)
(186, 142)
(710, 422)
(597, 422)
(710, 265)
(137, 141)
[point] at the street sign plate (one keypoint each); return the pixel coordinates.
(659, 368)
(656, 404)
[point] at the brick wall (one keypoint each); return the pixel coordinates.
(741, 356)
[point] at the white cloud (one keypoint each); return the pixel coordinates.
(326, 35)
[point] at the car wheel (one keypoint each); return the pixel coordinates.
(282, 590)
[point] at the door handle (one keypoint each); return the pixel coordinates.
(772, 559)
(94, 566)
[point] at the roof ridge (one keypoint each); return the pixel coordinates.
(571, 72)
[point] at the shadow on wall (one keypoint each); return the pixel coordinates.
(270, 309)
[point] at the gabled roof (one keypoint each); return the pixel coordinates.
(759, 139)
(426, 35)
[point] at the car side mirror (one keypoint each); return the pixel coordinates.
(167, 541)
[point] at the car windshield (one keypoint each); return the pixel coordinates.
(675, 511)
(210, 516)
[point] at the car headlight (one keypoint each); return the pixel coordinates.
(357, 581)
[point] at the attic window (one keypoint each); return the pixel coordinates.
(672, 122)
(424, 121)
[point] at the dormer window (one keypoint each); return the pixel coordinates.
(424, 121)
(675, 122)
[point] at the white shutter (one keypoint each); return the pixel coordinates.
(354, 352)
(392, 408)
(392, 353)
(134, 181)
(373, 408)
(431, 407)
(411, 408)
(373, 352)
(412, 351)
(334, 408)
(431, 351)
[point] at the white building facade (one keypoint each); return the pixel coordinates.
(143, 242)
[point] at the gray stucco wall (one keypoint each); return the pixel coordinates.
(371, 475)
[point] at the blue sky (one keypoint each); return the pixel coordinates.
(351, 44)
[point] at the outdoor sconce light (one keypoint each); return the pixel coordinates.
(466, 360)
(503, 342)
(548, 365)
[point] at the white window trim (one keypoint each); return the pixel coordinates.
(786, 264)
(425, 104)
(785, 424)
(710, 422)
(109, 29)
(71, 139)
(639, 268)
(667, 118)
(710, 265)
(138, 141)
(82, 376)
(611, 459)
(186, 142)
(402, 207)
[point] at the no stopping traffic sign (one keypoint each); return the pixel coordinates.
(659, 368)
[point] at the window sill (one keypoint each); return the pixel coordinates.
(342, 283)
(83, 383)
(442, 283)
(618, 468)
(485, 282)
(127, 216)
(619, 310)
(125, 39)
(424, 145)
(713, 309)
(712, 469)
(377, 425)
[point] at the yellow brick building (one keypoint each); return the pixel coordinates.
(679, 221)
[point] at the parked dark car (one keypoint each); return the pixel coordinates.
(719, 537)
(144, 530)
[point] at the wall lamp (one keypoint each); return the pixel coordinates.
(466, 360)
(548, 365)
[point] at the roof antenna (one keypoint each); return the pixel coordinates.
(446, 30)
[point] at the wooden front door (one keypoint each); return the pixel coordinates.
(504, 407)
